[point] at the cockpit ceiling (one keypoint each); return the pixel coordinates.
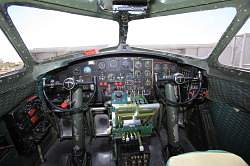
(157, 7)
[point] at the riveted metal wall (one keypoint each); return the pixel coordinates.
(232, 92)
(11, 98)
(232, 129)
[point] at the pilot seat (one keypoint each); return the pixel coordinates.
(207, 158)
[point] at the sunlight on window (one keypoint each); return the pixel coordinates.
(193, 34)
(237, 53)
(9, 59)
(60, 33)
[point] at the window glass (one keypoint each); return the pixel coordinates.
(237, 53)
(49, 34)
(189, 34)
(9, 59)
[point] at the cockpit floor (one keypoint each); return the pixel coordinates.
(100, 149)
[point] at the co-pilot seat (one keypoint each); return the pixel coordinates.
(208, 158)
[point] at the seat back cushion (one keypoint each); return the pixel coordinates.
(209, 158)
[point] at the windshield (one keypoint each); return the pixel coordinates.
(51, 34)
(190, 34)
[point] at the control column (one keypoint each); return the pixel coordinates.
(77, 127)
(172, 115)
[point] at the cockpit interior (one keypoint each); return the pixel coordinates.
(125, 105)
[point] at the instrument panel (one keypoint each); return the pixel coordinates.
(134, 75)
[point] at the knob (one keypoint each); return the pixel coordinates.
(118, 94)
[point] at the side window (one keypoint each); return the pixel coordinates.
(9, 59)
(237, 53)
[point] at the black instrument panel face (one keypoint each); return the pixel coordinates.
(132, 74)
(125, 73)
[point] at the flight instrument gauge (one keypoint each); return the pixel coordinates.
(77, 71)
(138, 64)
(87, 70)
(148, 64)
(113, 64)
(147, 73)
(126, 64)
(101, 65)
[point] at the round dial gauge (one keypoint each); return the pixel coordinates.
(101, 65)
(77, 71)
(138, 64)
(113, 64)
(148, 64)
(147, 73)
(87, 70)
(137, 73)
(125, 64)
(148, 82)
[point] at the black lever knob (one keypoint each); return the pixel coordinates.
(118, 94)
